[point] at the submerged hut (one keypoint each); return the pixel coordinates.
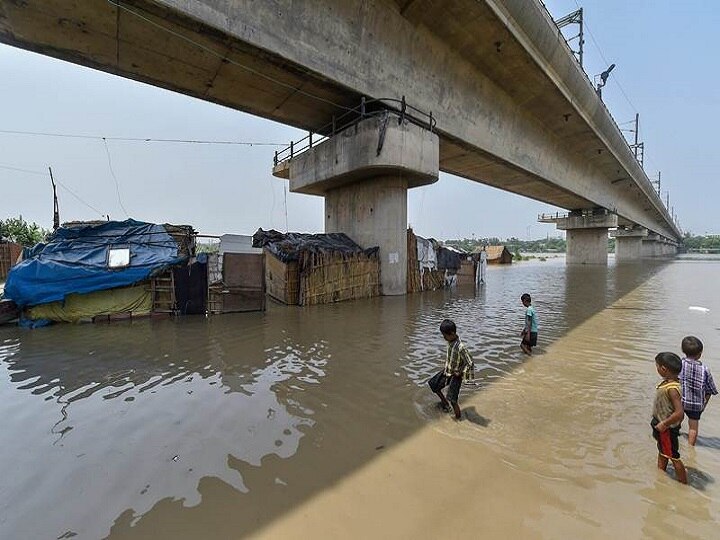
(499, 255)
(306, 269)
(107, 269)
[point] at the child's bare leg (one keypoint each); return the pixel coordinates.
(456, 409)
(680, 472)
(525, 348)
(443, 400)
(662, 462)
(693, 428)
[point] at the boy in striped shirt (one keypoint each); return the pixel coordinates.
(459, 366)
(697, 385)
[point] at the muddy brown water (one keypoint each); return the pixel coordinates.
(316, 421)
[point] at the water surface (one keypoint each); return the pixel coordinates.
(316, 420)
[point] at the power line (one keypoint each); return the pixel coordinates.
(226, 59)
(61, 184)
(112, 172)
(138, 139)
(605, 60)
(18, 169)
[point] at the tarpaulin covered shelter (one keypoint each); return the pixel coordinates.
(84, 258)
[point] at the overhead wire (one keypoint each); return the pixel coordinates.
(112, 173)
(225, 58)
(138, 139)
(605, 60)
(61, 184)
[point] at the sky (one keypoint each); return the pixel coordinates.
(666, 71)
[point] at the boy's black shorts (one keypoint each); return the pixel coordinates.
(693, 415)
(530, 341)
(440, 381)
(667, 441)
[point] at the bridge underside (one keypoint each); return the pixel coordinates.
(514, 109)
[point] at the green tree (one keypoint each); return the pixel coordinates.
(20, 231)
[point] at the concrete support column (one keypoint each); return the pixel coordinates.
(374, 213)
(364, 173)
(587, 246)
(629, 241)
(628, 248)
(587, 234)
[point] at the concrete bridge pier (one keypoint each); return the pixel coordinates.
(586, 234)
(657, 246)
(629, 243)
(364, 173)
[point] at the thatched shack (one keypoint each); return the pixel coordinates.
(495, 254)
(308, 269)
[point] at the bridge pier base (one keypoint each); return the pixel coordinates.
(586, 234)
(655, 246)
(364, 173)
(629, 243)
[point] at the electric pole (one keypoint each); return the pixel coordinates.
(56, 208)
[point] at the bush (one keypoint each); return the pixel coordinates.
(20, 231)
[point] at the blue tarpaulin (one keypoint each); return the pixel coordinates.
(75, 260)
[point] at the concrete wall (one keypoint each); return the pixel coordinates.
(587, 246)
(373, 212)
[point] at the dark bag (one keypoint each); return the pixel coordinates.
(438, 381)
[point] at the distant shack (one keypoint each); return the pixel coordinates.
(496, 254)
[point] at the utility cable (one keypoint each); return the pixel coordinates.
(224, 57)
(112, 172)
(138, 139)
(597, 46)
(61, 184)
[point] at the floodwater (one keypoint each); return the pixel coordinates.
(315, 422)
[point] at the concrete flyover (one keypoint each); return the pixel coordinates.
(513, 107)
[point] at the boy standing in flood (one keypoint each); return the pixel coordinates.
(459, 366)
(697, 385)
(530, 330)
(668, 414)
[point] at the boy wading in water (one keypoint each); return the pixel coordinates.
(459, 366)
(668, 413)
(530, 330)
(697, 385)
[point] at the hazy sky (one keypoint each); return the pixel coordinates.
(667, 70)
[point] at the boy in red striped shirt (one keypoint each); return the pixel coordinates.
(668, 414)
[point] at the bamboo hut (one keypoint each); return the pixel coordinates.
(309, 269)
(499, 255)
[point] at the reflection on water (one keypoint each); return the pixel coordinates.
(200, 427)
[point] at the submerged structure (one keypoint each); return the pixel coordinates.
(87, 270)
(308, 269)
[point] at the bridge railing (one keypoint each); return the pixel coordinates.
(367, 108)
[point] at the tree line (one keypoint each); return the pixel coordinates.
(22, 232)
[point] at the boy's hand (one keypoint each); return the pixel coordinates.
(661, 426)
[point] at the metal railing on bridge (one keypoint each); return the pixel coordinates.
(367, 108)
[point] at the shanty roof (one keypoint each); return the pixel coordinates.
(288, 246)
(84, 258)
